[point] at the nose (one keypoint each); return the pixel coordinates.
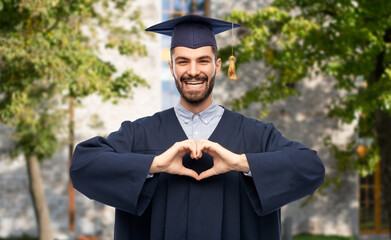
(193, 69)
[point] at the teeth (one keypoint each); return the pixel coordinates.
(194, 83)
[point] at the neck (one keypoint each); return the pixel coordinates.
(197, 108)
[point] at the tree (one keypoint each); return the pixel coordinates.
(48, 54)
(349, 40)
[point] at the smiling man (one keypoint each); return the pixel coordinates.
(195, 171)
(198, 69)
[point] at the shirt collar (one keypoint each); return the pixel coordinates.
(206, 116)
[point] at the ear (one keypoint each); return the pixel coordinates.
(218, 66)
(171, 67)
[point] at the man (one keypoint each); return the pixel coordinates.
(196, 171)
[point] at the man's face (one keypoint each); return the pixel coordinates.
(194, 71)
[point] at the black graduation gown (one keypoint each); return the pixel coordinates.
(228, 206)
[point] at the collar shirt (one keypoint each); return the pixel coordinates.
(202, 125)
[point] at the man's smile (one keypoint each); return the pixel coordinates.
(194, 83)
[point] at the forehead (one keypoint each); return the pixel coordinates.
(192, 52)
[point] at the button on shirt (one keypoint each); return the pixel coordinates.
(202, 125)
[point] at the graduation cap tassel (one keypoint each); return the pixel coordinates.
(231, 67)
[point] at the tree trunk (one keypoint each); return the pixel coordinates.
(383, 131)
(38, 196)
(71, 190)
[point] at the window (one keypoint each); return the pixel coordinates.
(373, 218)
(173, 9)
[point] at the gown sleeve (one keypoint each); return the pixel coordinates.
(284, 171)
(106, 170)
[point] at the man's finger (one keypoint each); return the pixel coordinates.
(188, 172)
(199, 148)
(202, 146)
(187, 146)
(208, 173)
(193, 152)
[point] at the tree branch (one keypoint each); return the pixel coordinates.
(53, 26)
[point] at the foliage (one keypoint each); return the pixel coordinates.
(49, 52)
(349, 40)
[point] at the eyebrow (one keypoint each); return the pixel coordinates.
(200, 58)
(206, 57)
(181, 58)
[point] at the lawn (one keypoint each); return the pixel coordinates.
(321, 237)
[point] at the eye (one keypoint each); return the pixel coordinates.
(181, 62)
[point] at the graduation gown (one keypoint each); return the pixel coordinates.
(228, 206)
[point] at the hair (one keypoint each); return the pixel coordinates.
(214, 50)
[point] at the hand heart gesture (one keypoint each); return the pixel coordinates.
(171, 160)
(223, 160)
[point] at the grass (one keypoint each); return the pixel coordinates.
(320, 237)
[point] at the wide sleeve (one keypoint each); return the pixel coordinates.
(283, 172)
(107, 171)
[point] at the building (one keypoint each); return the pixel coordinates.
(301, 118)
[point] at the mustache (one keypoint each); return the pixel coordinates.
(199, 77)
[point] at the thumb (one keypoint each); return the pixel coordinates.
(208, 173)
(189, 172)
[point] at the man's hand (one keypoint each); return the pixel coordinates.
(223, 159)
(171, 160)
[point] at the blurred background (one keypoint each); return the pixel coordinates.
(319, 70)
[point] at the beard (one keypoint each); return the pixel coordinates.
(196, 96)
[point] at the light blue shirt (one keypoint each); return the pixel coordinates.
(202, 125)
